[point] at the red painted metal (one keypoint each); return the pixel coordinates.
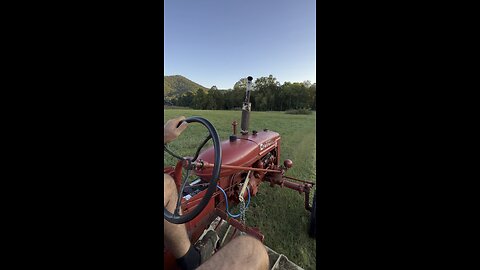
(307, 200)
(288, 163)
(244, 151)
(178, 174)
(303, 181)
(278, 179)
(169, 261)
(258, 153)
(170, 171)
(210, 165)
(239, 226)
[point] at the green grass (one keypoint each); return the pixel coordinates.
(175, 108)
(278, 212)
(299, 111)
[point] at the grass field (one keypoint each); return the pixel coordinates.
(278, 212)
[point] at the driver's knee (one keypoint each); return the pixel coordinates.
(256, 248)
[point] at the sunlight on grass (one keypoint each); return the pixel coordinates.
(278, 212)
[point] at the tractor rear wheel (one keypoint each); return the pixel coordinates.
(312, 230)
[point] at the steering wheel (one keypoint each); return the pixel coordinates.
(175, 217)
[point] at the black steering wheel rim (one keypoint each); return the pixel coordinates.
(180, 219)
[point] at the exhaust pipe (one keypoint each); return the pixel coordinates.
(246, 108)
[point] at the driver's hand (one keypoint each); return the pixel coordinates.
(170, 130)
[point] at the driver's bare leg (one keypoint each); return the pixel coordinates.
(243, 252)
(176, 238)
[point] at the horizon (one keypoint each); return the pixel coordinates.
(217, 43)
(231, 88)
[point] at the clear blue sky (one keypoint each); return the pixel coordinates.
(217, 42)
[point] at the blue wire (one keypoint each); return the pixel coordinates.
(226, 201)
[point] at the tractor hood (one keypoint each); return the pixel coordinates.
(243, 151)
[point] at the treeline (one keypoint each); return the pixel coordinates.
(267, 95)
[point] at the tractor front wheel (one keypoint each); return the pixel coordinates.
(312, 230)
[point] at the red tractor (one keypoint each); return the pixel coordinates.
(229, 173)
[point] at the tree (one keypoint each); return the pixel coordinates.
(267, 95)
(185, 100)
(215, 99)
(241, 84)
(307, 83)
(266, 90)
(200, 100)
(299, 96)
(312, 91)
(269, 82)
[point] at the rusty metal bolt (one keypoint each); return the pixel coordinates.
(234, 124)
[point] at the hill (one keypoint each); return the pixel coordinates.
(176, 85)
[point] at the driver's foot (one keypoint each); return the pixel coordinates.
(207, 245)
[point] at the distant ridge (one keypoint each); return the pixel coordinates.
(176, 85)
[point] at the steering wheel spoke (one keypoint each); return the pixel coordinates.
(201, 146)
(176, 217)
(165, 148)
(180, 194)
